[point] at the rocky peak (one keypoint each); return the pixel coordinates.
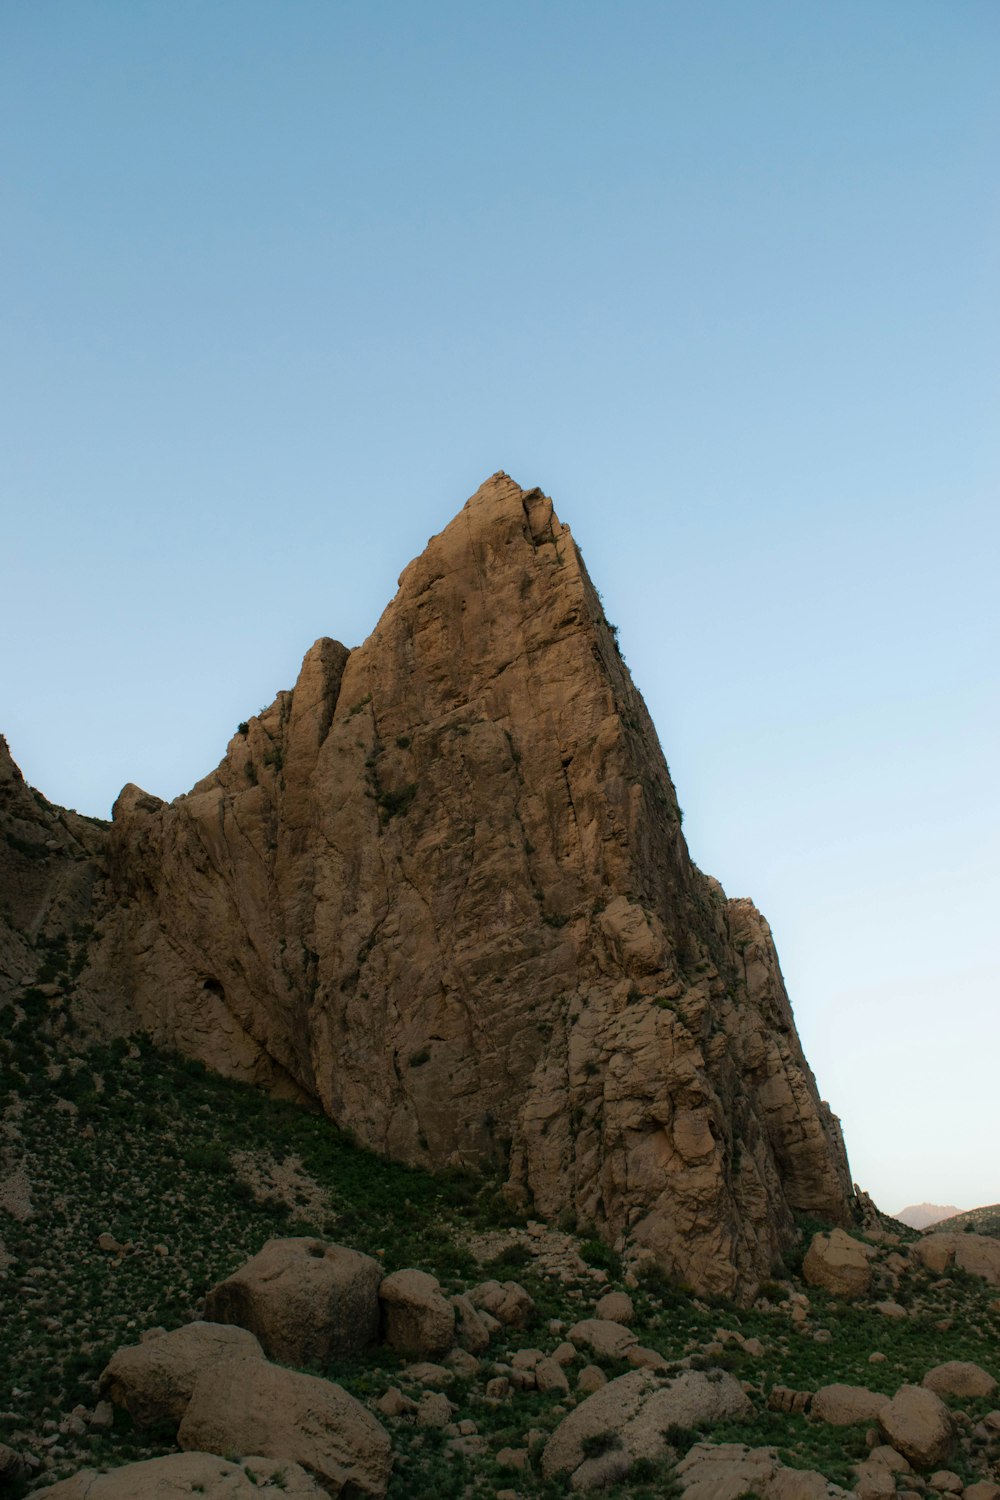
(441, 888)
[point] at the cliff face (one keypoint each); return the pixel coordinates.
(442, 888)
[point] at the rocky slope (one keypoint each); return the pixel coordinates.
(441, 887)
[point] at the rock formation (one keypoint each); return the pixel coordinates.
(441, 888)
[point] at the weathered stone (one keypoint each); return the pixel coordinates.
(181, 1474)
(506, 1301)
(959, 1377)
(633, 1413)
(946, 1482)
(470, 1330)
(550, 1376)
(979, 1254)
(283, 1414)
(335, 859)
(917, 1424)
(306, 1300)
(731, 1471)
(153, 1380)
(839, 1264)
(843, 1405)
(616, 1307)
(873, 1481)
(605, 1339)
(418, 1318)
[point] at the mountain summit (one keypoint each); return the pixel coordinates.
(441, 888)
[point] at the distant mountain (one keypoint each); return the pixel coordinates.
(920, 1215)
(979, 1220)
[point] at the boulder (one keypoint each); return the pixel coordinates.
(470, 1330)
(917, 1424)
(153, 1380)
(616, 1307)
(731, 1471)
(979, 1254)
(631, 1415)
(960, 1377)
(181, 1474)
(605, 1339)
(506, 1301)
(306, 1300)
(418, 1320)
(287, 1415)
(839, 1264)
(842, 1405)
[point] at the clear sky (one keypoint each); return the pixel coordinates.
(282, 283)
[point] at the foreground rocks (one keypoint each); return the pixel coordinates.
(153, 1381)
(286, 1415)
(918, 1425)
(307, 1301)
(212, 1383)
(628, 1419)
(731, 1471)
(184, 1474)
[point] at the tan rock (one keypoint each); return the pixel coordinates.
(946, 1482)
(306, 1300)
(153, 1380)
(550, 1376)
(506, 1301)
(843, 1405)
(418, 1319)
(917, 1424)
(979, 1254)
(889, 1459)
(873, 1481)
(286, 1415)
(181, 1474)
(434, 1409)
(367, 861)
(890, 1309)
(616, 1307)
(958, 1377)
(605, 1339)
(633, 1412)
(839, 1264)
(983, 1489)
(470, 1330)
(590, 1379)
(731, 1471)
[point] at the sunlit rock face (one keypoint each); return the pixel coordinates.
(441, 887)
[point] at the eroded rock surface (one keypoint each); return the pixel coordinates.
(441, 887)
(184, 1474)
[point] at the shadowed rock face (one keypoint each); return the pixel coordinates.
(441, 887)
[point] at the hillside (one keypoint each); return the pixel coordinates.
(133, 1180)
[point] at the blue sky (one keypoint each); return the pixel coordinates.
(283, 283)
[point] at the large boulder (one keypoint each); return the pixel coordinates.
(979, 1254)
(263, 1408)
(153, 1380)
(184, 1474)
(842, 1405)
(627, 1419)
(960, 1377)
(918, 1425)
(307, 1301)
(730, 1471)
(418, 1320)
(839, 1264)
